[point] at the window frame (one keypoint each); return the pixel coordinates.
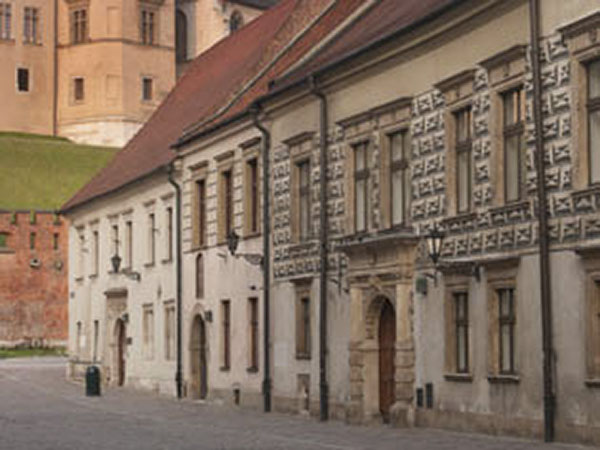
(151, 243)
(400, 165)
(303, 166)
(253, 334)
(79, 24)
(516, 129)
(78, 90)
(461, 323)
(199, 278)
(362, 175)
(200, 235)
(27, 81)
(147, 89)
(252, 193)
(509, 321)
(463, 147)
(226, 335)
(148, 25)
(31, 21)
(148, 329)
(170, 331)
(303, 341)
(592, 106)
(6, 15)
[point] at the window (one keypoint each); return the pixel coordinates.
(226, 334)
(115, 240)
(81, 250)
(30, 26)
(3, 240)
(181, 35)
(461, 327)
(170, 326)
(593, 329)
(148, 332)
(22, 80)
(199, 276)
(252, 193)
(463, 159)
(78, 341)
(169, 219)
(151, 238)
(96, 250)
(147, 89)
(128, 244)
(5, 21)
(514, 144)
(253, 334)
(55, 241)
(147, 27)
(201, 213)
(32, 237)
(96, 332)
(79, 25)
(303, 169)
(361, 195)
(236, 21)
(226, 203)
(78, 89)
(506, 323)
(593, 108)
(399, 179)
(303, 335)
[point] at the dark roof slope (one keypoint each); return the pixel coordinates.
(385, 19)
(208, 82)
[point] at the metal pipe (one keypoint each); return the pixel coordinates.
(266, 260)
(546, 299)
(323, 252)
(55, 74)
(178, 371)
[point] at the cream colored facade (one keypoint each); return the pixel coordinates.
(100, 87)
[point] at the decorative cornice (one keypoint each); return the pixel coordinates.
(365, 116)
(198, 165)
(224, 156)
(456, 80)
(580, 26)
(250, 143)
(299, 138)
(513, 53)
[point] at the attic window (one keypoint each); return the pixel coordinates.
(236, 21)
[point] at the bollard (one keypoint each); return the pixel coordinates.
(92, 381)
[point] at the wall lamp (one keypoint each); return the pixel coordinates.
(233, 240)
(116, 264)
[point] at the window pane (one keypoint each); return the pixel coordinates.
(398, 197)
(505, 357)
(462, 365)
(359, 207)
(594, 79)
(594, 146)
(463, 125)
(359, 155)
(511, 167)
(397, 144)
(304, 216)
(463, 181)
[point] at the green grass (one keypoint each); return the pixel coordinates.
(6, 353)
(42, 172)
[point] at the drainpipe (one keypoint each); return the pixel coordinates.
(266, 260)
(323, 252)
(55, 74)
(546, 299)
(178, 372)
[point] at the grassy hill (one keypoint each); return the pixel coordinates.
(42, 172)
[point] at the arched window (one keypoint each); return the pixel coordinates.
(199, 276)
(181, 36)
(236, 21)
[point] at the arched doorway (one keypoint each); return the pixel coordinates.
(387, 350)
(199, 360)
(121, 341)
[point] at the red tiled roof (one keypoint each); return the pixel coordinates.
(208, 82)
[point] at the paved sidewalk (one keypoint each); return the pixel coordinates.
(39, 410)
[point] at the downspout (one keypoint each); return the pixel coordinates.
(323, 251)
(55, 74)
(546, 299)
(266, 260)
(178, 372)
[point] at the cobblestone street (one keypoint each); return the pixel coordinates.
(40, 410)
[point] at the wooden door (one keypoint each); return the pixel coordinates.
(387, 339)
(121, 342)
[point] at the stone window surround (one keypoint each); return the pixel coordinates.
(73, 95)
(301, 147)
(455, 283)
(225, 162)
(590, 259)
(506, 72)
(583, 41)
(170, 333)
(199, 173)
(150, 6)
(501, 274)
(251, 150)
(152, 229)
(148, 331)
(77, 5)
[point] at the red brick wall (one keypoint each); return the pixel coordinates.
(33, 300)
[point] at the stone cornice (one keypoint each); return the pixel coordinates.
(516, 52)
(456, 80)
(586, 24)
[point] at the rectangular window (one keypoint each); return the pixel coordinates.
(170, 325)
(593, 111)
(303, 334)
(78, 341)
(304, 227)
(115, 240)
(32, 241)
(5, 21)
(78, 89)
(227, 181)
(399, 179)
(22, 80)
(461, 324)
(151, 238)
(55, 241)
(80, 257)
(128, 244)
(361, 194)
(226, 334)
(147, 27)
(147, 89)
(169, 219)
(201, 199)
(200, 276)
(252, 192)
(3, 240)
(148, 332)
(96, 333)
(79, 25)
(96, 255)
(31, 25)
(253, 333)
(514, 144)
(506, 326)
(463, 146)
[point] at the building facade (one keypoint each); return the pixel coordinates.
(94, 71)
